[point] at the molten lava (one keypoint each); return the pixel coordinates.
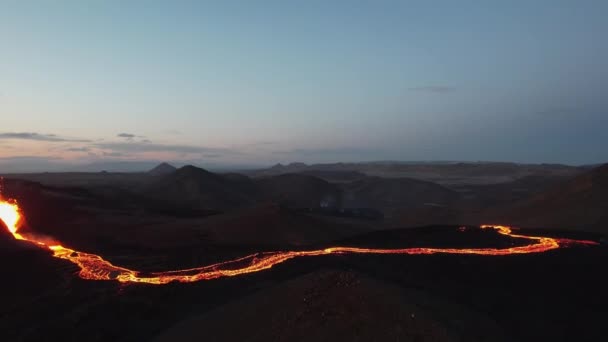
(96, 268)
(11, 216)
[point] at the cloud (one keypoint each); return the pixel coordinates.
(440, 89)
(325, 151)
(264, 143)
(112, 154)
(127, 136)
(28, 159)
(131, 137)
(211, 155)
(38, 137)
(139, 147)
(78, 149)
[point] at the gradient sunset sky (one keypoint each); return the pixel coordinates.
(260, 82)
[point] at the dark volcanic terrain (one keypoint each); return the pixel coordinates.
(580, 203)
(391, 297)
(175, 219)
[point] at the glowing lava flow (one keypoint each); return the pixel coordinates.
(96, 268)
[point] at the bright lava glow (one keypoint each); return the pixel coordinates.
(94, 267)
(11, 216)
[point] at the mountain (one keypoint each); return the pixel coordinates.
(195, 188)
(580, 203)
(162, 169)
(191, 187)
(279, 168)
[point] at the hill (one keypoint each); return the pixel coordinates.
(299, 191)
(162, 169)
(445, 173)
(194, 188)
(390, 194)
(335, 176)
(272, 226)
(580, 203)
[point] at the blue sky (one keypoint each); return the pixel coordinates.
(259, 82)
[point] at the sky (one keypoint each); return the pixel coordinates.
(253, 83)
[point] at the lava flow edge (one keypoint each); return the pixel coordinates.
(94, 267)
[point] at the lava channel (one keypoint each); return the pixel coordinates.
(94, 267)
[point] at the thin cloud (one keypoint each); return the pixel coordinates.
(434, 89)
(112, 154)
(139, 147)
(39, 137)
(266, 142)
(131, 137)
(78, 149)
(127, 136)
(325, 151)
(28, 159)
(211, 155)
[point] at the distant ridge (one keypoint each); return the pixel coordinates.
(439, 172)
(289, 168)
(162, 169)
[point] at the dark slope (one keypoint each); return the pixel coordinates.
(335, 176)
(195, 188)
(581, 203)
(162, 170)
(333, 305)
(299, 191)
(492, 195)
(390, 194)
(274, 226)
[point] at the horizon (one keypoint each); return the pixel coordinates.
(238, 85)
(139, 166)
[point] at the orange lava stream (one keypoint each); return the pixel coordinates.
(94, 267)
